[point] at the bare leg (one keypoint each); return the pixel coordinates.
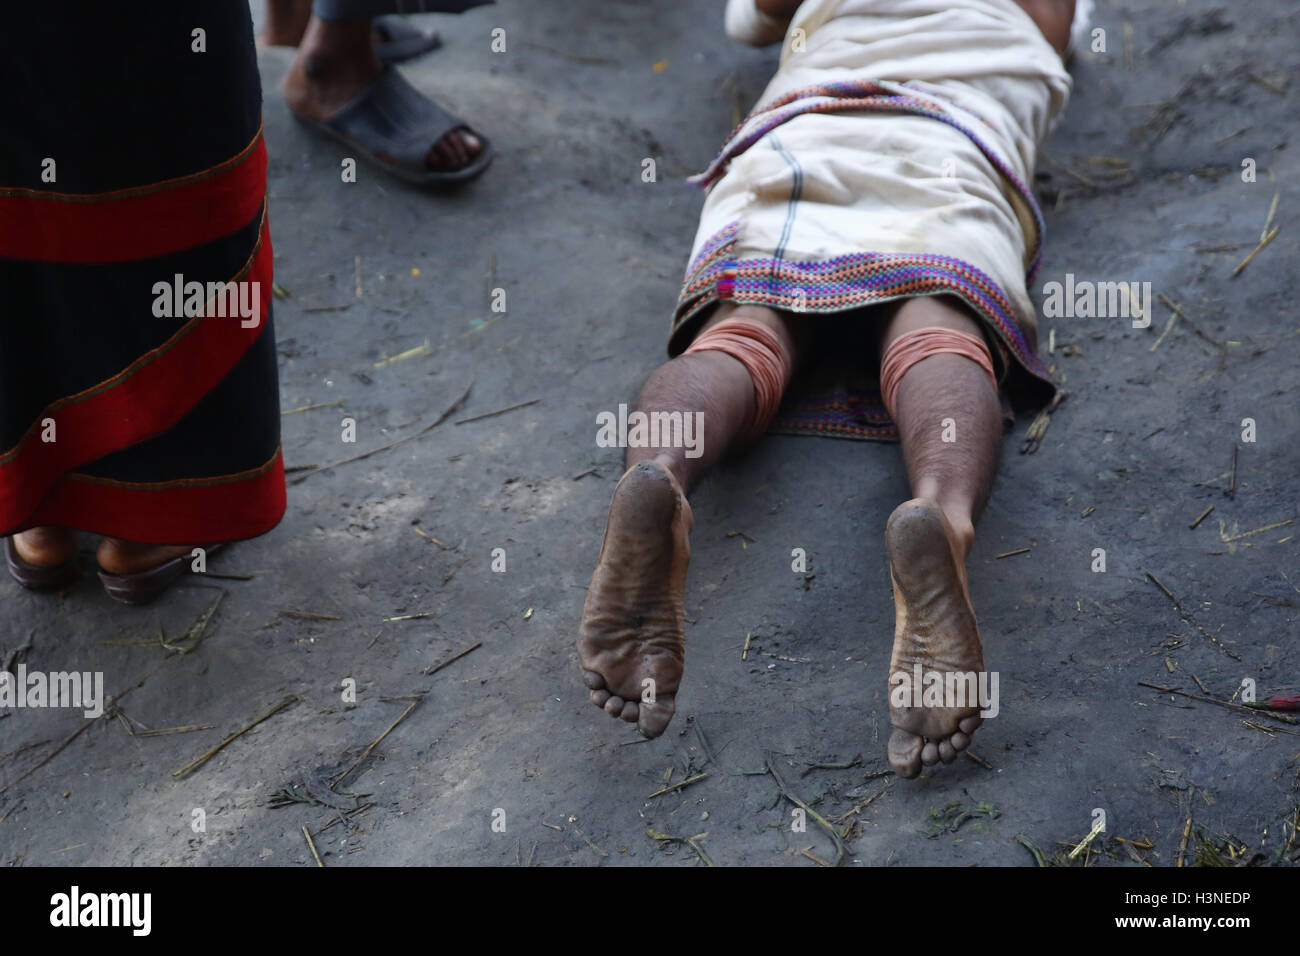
(285, 22)
(632, 628)
(928, 538)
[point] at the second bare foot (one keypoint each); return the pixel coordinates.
(934, 631)
(631, 639)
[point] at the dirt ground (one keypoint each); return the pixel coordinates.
(1142, 181)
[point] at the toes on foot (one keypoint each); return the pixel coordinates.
(959, 741)
(946, 753)
(929, 753)
(593, 680)
(905, 753)
(629, 712)
(598, 697)
(653, 718)
(970, 724)
(614, 705)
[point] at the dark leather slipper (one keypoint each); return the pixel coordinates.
(145, 586)
(38, 577)
(404, 42)
(393, 125)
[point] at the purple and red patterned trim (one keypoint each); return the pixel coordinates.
(846, 282)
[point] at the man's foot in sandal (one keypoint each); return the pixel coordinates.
(394, 39)
(338, 84)
(138, 573)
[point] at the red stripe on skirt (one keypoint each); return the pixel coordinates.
(230, 510)
(168, 383)
(134, 223)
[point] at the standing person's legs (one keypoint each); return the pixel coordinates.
(336, 63)
(632, 627)
(948, 415)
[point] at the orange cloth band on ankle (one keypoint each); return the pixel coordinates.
(911, 347)
(757, 348)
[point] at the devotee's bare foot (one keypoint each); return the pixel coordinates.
(934, 627)
(632, 628)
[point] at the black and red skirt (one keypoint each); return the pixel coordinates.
(138, 385)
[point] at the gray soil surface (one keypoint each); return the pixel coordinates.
(1144, 182)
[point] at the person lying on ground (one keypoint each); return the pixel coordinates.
(877, 192)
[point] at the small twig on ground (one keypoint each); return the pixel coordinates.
(1284, 718)
(310, 616)
(979, 760)
(1187, 616)
(208, 755)
(1070, 172)
(1177, 310)
(1254, 252)
(312, 846)
(393, 444)
(691, 841)
(452, 660)
(845, 765)
(1204, 514)
(311, 408)
(858, 808)
(1247, 534)
(1039, 858)
(678, 786)
(410, 617)
(587, 840)
(704, 743)
(789, 795)
(380, 739)
(1182, 849)
(1097, 828)
(499, 411)
(1037, 429)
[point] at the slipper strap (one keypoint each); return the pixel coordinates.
(393, 119)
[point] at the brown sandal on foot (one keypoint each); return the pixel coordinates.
(141, 587)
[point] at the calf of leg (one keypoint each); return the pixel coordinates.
(948, 417)
(715, 384)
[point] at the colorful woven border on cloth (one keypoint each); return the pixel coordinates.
(858, 96)
(842, 284)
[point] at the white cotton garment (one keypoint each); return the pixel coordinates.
(889, 156)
